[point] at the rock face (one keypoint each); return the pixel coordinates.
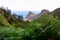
(56, 13)
(44, 11)
(31, 16)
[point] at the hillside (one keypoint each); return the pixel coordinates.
(43, 26)
(3, 20)
(56, 13)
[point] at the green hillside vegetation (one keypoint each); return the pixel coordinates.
(3, 21)
(12, 19)
(47, 27)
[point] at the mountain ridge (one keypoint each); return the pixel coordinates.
(31, 16)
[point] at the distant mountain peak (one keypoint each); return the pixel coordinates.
(44, 11)
(31, 16)
(30, 13)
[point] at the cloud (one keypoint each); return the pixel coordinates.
(32, 5)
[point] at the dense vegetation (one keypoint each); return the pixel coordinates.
(12, 27)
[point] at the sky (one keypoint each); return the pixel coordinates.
(30, 5)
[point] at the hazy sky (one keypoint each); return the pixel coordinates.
(32, 5)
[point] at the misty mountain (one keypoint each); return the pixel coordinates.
(24, 13)
(31, 16)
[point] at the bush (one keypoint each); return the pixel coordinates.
(46, 28)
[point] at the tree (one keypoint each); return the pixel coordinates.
(19, 18)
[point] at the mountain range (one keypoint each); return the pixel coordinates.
(24, 13)
(31, 16)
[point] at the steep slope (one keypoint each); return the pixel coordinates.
(3, 21)
(31, 16)
(56, 13)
